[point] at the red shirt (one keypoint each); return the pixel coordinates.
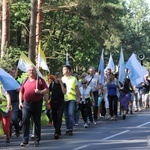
(28, 88)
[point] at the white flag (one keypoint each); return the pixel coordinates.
(42, 59)
(24, 62)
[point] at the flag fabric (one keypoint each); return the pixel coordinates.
(101, 68)
(111, 64)
(136, 70)
(122, 75)
(8, 82)
(24, 62)
(67, 59)
(42, 59)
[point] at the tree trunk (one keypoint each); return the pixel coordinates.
(5, 26)
(39, 24)
(32, 34)
(0, 23)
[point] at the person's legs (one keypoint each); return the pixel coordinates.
(90, 113)
(66, 111)
(36, 113)
(26, 115)
(115, 99)
(139, 101)
(82, 108)
(136, 101)
(15, 121)
(76, 114)
(6, 126)
(60, 111)
(95, 108)
(55, 116)
(110, 105)
(71, 108)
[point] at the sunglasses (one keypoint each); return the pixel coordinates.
(84, 83)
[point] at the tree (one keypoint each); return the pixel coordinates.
(5, 26)
(135, 35)
(39, 24)
(32, 33)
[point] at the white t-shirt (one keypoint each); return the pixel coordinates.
(94, 82)
(85, 92)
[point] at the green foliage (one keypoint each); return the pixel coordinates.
(135, 36)
(10, 60)
(82, 28)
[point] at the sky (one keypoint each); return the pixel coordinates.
(148, 1)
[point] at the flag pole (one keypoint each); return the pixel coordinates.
(38, 64)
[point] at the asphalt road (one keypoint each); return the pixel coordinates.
(130, 134)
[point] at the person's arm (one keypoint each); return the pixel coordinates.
(8, 101)
(92, 97)
(44, 88)
(20, 100)
(44, 91)
(62, 86)
(78, 92)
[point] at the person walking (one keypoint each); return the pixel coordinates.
(57, 89)
(30, 101)
(85, 101)
(70, 97)
(93, 81)
(5, 113)
(112, 85)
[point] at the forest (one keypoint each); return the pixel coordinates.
(81, 28)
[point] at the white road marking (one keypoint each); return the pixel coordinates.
(143, 124)
(112, 136)
(109, 137)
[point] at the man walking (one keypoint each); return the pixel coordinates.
(31, 93)
(92, 79)
(70, 97)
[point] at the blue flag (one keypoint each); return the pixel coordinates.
(136, 70)
(111, 64)
(101, 68)
(8, 82)
(121, 76)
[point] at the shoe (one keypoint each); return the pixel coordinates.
(140, 110)
(124, 117)
(24, 144)
(131, 112)
(7, 141)
(67, 132)
(17, 133)
(36, 143)
(76, 124)
(56, 136)
(111, 119)
(108, 116)
(115, 118)
(95, 122)
(136, 110)
(32, 137)
(85, 125)
(70, 132)
(89, 122)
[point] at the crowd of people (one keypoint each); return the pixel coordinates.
(66, 94)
